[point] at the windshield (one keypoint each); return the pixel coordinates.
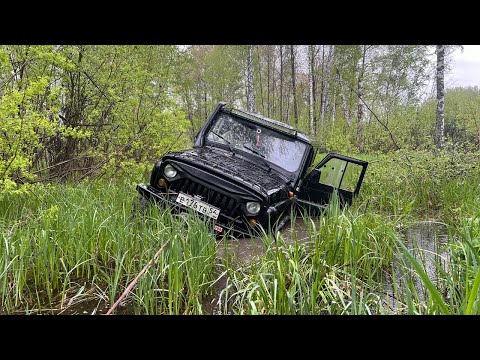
(275, 147)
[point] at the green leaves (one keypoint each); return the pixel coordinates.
(62, 103)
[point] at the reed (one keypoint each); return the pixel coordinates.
(69, 249)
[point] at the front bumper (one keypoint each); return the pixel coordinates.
(235, 226)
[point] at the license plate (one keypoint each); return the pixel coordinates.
(198, 205)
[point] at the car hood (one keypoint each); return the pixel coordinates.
(235, 167)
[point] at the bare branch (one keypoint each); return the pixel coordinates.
(371, 111)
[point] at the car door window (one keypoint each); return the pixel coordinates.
(351, 176)
(340, 174)
(334, 173)
(331, 173)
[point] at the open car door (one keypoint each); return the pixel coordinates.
(334, 173)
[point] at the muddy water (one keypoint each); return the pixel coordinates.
(241, 249)
(88, 307)
(246, 249)
(427, 242)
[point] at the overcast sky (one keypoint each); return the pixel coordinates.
(465, 67)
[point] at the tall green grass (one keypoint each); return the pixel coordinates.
(63, 238)
(337, 270)
(455, 290)
(66, 249)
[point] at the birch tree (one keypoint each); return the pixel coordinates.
(294, 90)
(311, 87)
(360, 89)
(343, 99)
(250, 84)
(322, 88)
(326, 70)
(281, 82)
(268, 80)
(440, 116)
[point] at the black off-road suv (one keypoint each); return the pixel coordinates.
(246, 170)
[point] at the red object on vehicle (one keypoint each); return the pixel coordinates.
(218, 228)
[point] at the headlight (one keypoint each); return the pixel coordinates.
(253, 207)
(169, 171)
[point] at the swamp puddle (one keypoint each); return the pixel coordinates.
(245, 250)
(425, 240)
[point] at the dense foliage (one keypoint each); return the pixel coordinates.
(98, 117)
(76, 111)
(71, 249)
(72, 111)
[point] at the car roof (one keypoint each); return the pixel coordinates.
(263, 120)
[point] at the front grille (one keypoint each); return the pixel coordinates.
(228, 206)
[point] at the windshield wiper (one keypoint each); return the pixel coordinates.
(258, 153)
(253, 150)
(221, 137)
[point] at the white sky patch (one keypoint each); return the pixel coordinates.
(465, 67)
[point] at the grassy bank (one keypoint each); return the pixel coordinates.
(66, 242)
(68, 249)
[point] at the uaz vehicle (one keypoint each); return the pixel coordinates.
(246, 170)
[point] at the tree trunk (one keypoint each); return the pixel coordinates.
(327, 72)
(268, 81)
(322, 88)
(311, 82)
(250, 87)
(346, 114)
(294, 90)
(281, 82)
(360, 136)
(260, 80)
(287, 103)
(440, 123)
(274, 66)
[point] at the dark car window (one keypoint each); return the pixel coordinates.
(274, 146)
